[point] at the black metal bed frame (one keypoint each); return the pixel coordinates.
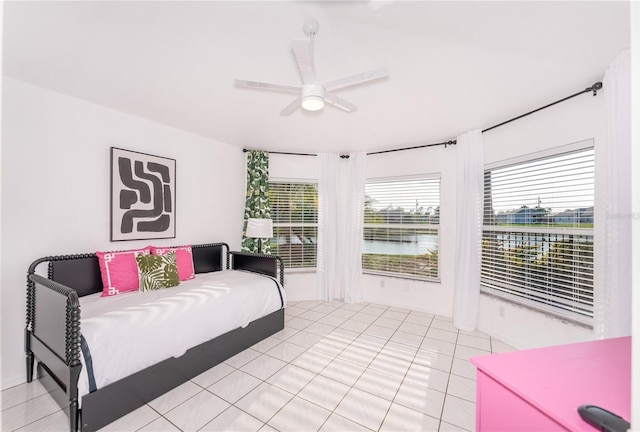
(52, 335)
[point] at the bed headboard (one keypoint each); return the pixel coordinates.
(207, 258)
(271, 265)
(82, 272)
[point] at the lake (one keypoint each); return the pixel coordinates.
(420, 245)
(424, 242)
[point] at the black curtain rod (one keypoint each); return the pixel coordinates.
(346, 156)
(445, 144)
(244, 150)
(594, 88)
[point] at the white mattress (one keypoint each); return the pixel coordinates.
(129, 332)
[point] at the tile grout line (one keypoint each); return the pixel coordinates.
(335, 357)
(403, 378)
(350, 387)
(453, 356)
(412, 362)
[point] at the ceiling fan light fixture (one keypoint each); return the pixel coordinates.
(312, 97)
(312, 103)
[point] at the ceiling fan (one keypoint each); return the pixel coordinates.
(314, 95)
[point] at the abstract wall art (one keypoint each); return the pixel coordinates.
(143, 196)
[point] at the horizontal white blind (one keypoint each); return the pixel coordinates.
(294, 210)
(537, 246)
(401, 227)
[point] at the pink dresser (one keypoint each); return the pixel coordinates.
(540, 389)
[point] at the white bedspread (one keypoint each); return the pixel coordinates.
(129, 332)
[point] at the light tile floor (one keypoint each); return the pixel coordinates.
(335, 367)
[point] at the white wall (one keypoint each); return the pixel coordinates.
(575, 120)
(293, 167)
(300, 286)
(55, 190)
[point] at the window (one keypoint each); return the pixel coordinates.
(294, 210)
(537, 241)
(401, 227)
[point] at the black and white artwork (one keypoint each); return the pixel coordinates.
(143, 196)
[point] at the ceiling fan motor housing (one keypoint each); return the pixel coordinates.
(312, 97)
(311, 27)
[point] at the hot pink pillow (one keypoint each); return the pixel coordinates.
(120, 271)
(184, 258)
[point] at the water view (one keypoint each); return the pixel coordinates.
(421, 244)
(416, 245)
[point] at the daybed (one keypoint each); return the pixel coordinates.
(57, 339)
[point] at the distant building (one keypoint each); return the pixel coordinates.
(538, 215)
(574, 216)
(523, 216)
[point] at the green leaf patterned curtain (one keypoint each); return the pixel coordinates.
(257, 203)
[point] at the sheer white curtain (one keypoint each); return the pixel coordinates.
(328, 286)
(469, 199)
(340, 226)
(613, 306)
(351, 260)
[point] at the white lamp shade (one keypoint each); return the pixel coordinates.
(259, 228)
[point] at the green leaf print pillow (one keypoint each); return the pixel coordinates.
(158, 271)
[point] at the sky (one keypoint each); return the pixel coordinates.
(559, 183)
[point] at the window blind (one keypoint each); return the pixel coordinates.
(401, 227)
(294, 210)
(537, 243)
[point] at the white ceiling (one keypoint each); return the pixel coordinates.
(454, 66)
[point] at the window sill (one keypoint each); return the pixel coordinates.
(546, 313)
(401, 276)
(299, 270)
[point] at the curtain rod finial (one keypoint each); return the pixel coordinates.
(595, 87)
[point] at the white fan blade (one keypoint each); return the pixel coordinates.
(303, 50)
(357, 79)
(267, 86)
(291, 107)
(336, 101)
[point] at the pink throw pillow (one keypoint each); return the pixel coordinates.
(120, 271)
(184, 258)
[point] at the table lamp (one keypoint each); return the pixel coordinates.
(260, 229)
